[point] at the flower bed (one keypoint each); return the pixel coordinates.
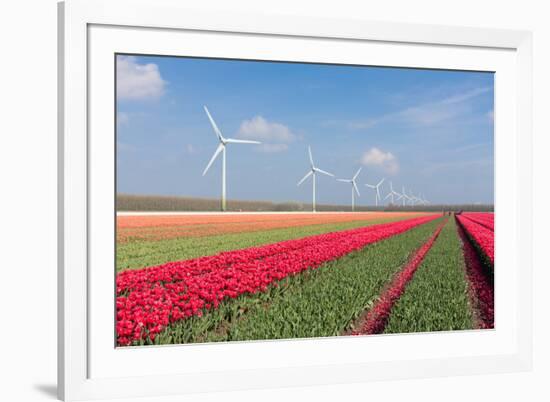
(483, 237)
(150, 299)
(482, 218)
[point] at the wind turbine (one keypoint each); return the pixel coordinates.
(377, 196)
(221, 149)
(426, 202)
(423, 199)
(419, 198)
(313, 171)
(400, 196)
(404, 196)
(391, 193)
(354, 188)
(415, 200)
(408, 197)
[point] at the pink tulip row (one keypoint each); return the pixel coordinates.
(150, 299)
(482, 218)
(481, 285)
(481, 235)
(378, 315)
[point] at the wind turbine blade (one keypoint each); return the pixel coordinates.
(370, 185)
(310, 156)
(233, 141)
(214, 126)
(218, 150)
(378, 193)
(322, 171)
(381, 181)
(357, 174)
(344, 180)
(388, 196)
(305, 177)
(356, 189)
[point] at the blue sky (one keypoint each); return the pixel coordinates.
(429, 130)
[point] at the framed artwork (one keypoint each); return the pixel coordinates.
(259, 201)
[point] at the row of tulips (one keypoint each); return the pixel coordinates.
(481, 284)
(158, 228)
(378, 315)
(483, 218)
(481, 235)
(148, 300)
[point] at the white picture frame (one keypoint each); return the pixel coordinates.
(90, 32)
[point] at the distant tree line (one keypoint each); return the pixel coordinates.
(161, 203)
(442, 207)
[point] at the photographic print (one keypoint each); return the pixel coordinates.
(262, 200)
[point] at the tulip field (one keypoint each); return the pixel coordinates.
(230, 277)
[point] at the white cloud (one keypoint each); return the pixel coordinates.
(262, 130)
(383, 160)
(466, 95)
(468, 148)
(429, 115)
(481, 164)
(426, 114)
(365, 124)
(138, 81)
(273, 147)
(275, 137)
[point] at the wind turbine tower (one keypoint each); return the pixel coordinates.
(376, 187)
(222, 149)
(354, 188)
(313, 172)
(391, 193)
(403, 196)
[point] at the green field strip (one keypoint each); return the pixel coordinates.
(321, 302)
(436, 299)
(148, 253)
